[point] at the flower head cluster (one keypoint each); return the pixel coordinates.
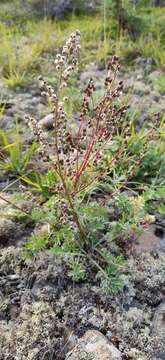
(100, 121)
(68, 59)
(40, 137)
(79, 159)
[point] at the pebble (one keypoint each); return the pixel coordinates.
(150, 240)
(13, 277)
(47, 122)
(94, 346)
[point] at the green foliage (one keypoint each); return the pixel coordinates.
(153, 166)
(131, 212)
(28, 44)
(35, 244)
(61, 242)
(13, 157)
(111, 279)
(77, 271)
(42, 183)
(154, 198)
(95, 220)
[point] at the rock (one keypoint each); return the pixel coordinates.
(13, 277)
(7, 229)
(158, 332)
(159, 320)
(47, 122)
(6, 121)
(94, 346)
(151, 240)
(139, 77)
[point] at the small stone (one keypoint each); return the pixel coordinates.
(149, 241)
(47, 122)
(13, 277)
(6, 121)
(7, 228)
(94, 346)
(139, 77)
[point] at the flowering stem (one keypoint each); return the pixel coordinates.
(75, 216)
(83, 165)
(68, 196)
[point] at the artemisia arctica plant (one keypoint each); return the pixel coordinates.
(77, 157)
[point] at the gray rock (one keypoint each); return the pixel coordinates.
(94, 346)
(10, 112)
(7, 229)
(13, 277)
(158, 332)
(140, 77)
(6, 121)
(159, 320)
(47, 122)
(150, 241)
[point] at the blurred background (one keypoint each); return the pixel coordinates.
(32, 31)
